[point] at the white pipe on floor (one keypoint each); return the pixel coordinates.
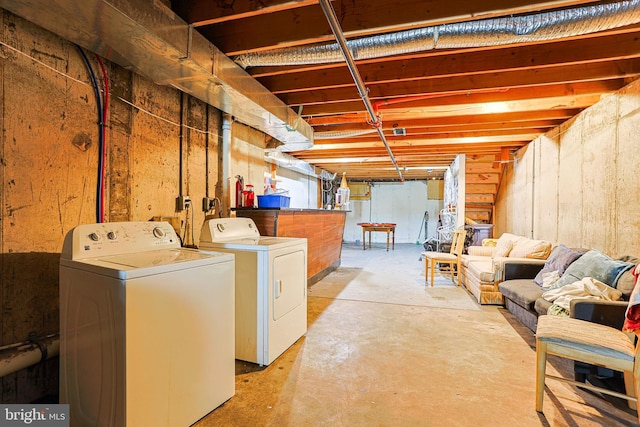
(16, 357)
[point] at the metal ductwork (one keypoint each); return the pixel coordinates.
(149, 39)
(488, 32)
(342, 134)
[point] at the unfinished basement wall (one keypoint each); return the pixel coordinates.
(48, 165)
(247, 159)
(578, 183)
(404, 203)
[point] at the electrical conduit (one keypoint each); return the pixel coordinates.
(96, 90)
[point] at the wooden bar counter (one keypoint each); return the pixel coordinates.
(324, 230)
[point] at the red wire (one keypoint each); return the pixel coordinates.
(105, 114)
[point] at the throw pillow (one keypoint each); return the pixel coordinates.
(594, 264)
(503, 248)
(559, 259)
(529, 248)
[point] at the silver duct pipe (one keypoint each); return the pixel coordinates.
(341, 134)
(362, 90)
(287, 161)
(544, 26)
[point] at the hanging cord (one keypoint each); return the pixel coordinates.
(189, 224)
(185, 230)
(212, 208)
(193, 221)
(96, 89)
(103, 129)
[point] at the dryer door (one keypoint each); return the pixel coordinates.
(289, 282)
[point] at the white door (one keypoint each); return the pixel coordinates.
(289, 282)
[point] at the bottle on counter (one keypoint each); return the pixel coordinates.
(249, 196)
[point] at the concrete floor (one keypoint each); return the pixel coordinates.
(384, 350)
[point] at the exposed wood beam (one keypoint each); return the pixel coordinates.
(500, 80)
(205, 12)
(520, 99)
(305, 25)
(334, 123)
(582, 51)
(414, 143)
(488, 136)
(274, 70)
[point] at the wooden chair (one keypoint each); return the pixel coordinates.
(590, 343)
(452, 258)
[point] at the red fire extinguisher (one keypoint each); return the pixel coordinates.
(239, 190)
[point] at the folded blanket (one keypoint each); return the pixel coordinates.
(632, 316)
(587, 288)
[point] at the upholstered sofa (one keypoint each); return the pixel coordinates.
(523, 289)
(483, 267)
(523, 296)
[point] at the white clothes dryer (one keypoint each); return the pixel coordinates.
(271, 286)
(147, 327)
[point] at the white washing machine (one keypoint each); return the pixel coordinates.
(147, 327)
(271, 286)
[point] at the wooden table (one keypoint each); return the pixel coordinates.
(386, 227)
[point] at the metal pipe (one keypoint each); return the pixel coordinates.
(16, 357)
(224, 162)
(362, 90)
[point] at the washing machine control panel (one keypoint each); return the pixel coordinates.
(92, 240)
(221, 229)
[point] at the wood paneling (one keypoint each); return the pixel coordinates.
(322, 229)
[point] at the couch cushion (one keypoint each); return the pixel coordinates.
(481, 251)
(521, 291)
(467, 259)
(541, 306)
(483, 270)
(594, 264)
(559, 259)
(529, 248)
(503, 247)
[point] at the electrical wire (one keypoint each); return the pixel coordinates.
(103, 129)
(137, 107)
(96, 89)
(193, 222)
